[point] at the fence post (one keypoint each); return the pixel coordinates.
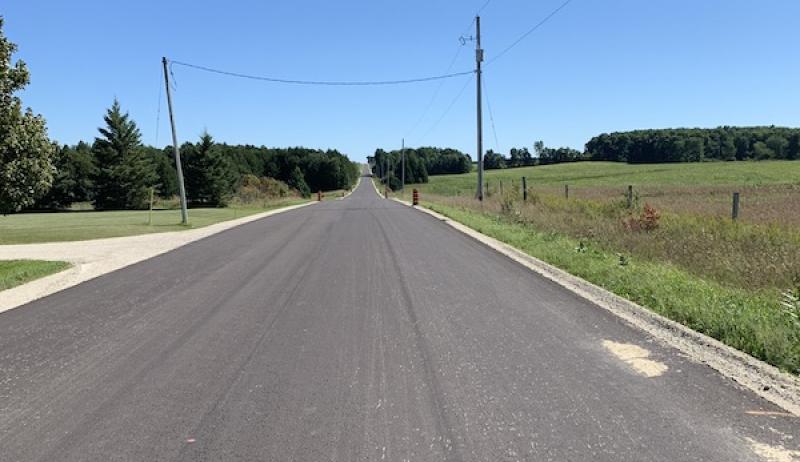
(630, 196)
(566, 191)
(524, 188)
(735, 210)
(501, 187)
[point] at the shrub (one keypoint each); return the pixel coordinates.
(648, 220)
(254, 189)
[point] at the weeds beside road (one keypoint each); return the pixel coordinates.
(734, 281)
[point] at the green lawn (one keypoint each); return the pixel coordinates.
(27, 228)
(613, 174)
(16, 272)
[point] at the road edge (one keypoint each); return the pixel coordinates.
(81, 271)
(765, 380)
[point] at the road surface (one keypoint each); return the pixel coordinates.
(354, 330)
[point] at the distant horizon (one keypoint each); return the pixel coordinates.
(589, 69)
(582, 148)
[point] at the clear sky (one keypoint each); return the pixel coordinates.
(596, 66)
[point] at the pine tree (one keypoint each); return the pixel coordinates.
(298, 182)
(26, 169)
(210, 177)
(124, 174)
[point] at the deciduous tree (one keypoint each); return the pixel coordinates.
(26, 169)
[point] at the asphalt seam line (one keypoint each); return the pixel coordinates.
(765, 380)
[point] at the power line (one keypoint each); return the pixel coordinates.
(158, 111)
(322, 82)
(529, 32)
(450, 106)
(452, 62)
(477, 13)
(491, 116)
(435, 93)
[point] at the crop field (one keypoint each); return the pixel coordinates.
(675, 250)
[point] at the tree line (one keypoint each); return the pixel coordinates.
(696, 144)
(117, 171)
(522, 157)
(419, 163)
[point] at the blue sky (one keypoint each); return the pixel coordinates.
(597, 66)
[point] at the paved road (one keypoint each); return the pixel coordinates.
(351, 330)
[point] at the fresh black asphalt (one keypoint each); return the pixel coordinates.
(351, 330)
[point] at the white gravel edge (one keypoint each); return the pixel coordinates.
(96, 257)
(763, 379)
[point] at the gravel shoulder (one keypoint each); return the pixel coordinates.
(96, 257)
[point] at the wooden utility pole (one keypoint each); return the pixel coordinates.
(181, 187)
(478, 60)
(403, 166)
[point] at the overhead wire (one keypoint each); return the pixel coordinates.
(449, 107)
(158, 111)
(322, 82)
(491, 115)
(452, 62)
(528, 32)
(435, 94)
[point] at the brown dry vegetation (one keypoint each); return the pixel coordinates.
(760, 205)
(702, 240)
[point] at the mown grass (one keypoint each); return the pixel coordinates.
(16, 272)
(697, 266)
(25, 228)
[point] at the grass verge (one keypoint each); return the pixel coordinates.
(752, 321)
(16, 272)
(26, 228)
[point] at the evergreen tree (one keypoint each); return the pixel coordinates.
(26, 169)
(163, 161)
(210, 177)
(124, 174)
(298, 182)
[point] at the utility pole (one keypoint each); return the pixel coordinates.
(478, 60)
(403, 167)
(181, 187)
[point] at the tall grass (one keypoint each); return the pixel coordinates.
(675, 251)
(730, 253)
(752, 320)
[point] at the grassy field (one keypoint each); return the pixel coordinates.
(683, 258)
(16, 272)
(27, 228)
(768, 190)
(620, 175)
